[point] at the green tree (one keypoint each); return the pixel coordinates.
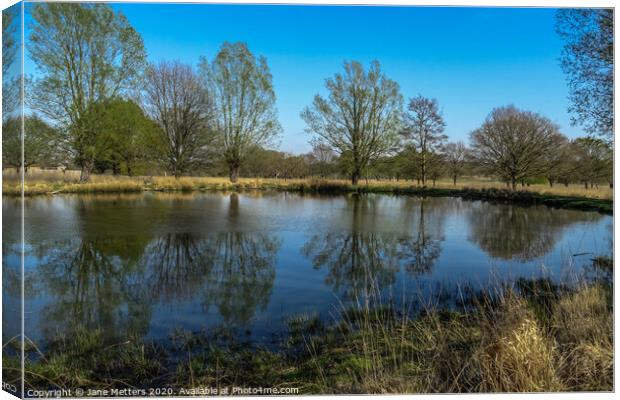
(588, 62)
(262, 162)
(424, 126)
(9, 44)
(243, 98)
(130, 131)
(85, 53)
(11, 78)
(40, 141)
(360, 119)
(514, 144)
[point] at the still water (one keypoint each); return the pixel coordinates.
(153, 264)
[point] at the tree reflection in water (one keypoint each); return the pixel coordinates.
(93, 287)
(125, 264)
(113, 282)
(420, 251)
(362, 263)
(510, 232)
(242, 275)
(89, 287)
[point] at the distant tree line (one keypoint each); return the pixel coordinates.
(99, 106)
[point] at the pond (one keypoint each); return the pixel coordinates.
(156, 263)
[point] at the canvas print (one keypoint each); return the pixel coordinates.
(268, 199)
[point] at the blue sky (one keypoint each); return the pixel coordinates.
(470, 59)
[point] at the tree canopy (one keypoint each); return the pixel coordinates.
(85, 54)
(588, 61)
(360, 118)
(513, 144)
(241, 90)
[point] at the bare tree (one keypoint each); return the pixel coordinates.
(322, 159)
(424, 126)
(513, 144)
(588, 62)
(594, 160)
(177, 101)
(361, 117)
(455, 156)
(560, 161)
(242, 93)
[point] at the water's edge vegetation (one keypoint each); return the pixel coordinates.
(312, 186)
(532, 336)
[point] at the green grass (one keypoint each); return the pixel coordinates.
(532, 337)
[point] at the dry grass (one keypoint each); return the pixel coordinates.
(499, 345)
(45, 181)
(502, 345)
(515, 354)
(583, 324)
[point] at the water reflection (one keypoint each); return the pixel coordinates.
(92, 285)
(242, 276)
(511, 232)
(420, 251)
(94, 288)
(362, 263)
(177, 265)
(148, 264)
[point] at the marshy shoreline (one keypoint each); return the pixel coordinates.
(534, 337)
(310, 186)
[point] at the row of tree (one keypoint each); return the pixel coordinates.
(100, 106)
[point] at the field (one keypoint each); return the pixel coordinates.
(56, 182)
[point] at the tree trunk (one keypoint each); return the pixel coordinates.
(513, 184)
(611, 185)
(233, 172)
(129, 173)
(85, 173)
(355, 177)
(454, 180)
(585, 184)
(87, 167)
(424, 169)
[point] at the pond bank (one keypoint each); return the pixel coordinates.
(534, 337)
(311, 187)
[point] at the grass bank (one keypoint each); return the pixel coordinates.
(533, 337)
(595, 200)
